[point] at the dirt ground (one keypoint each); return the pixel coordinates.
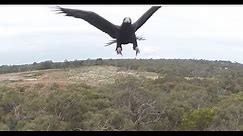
(91, 75)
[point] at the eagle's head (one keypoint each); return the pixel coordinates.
(127, 20)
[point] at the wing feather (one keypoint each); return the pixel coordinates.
(145, 17)
(93, 19)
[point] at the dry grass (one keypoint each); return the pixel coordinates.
(91, 75)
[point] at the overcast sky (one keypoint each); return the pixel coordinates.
(35, 33)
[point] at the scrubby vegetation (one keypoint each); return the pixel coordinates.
(185, 95)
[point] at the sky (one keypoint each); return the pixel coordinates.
(35, 33)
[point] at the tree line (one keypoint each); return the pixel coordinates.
(187, 95)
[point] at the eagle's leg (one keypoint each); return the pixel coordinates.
(119, 48)
(135, 46)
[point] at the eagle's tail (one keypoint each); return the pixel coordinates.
(114, 41)
(110, 43)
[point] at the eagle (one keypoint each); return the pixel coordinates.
(121, 34)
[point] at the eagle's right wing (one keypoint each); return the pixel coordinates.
(93, 19)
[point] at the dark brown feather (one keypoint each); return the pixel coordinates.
(93, 19)
(145, 17)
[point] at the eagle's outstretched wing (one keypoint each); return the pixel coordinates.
(145, 17)
(93, 19)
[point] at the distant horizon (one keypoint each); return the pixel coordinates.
(119, 59)
(35, 33)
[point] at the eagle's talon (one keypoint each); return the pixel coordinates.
(118, 50)
(137, 50)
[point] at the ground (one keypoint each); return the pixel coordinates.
(91, 75)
